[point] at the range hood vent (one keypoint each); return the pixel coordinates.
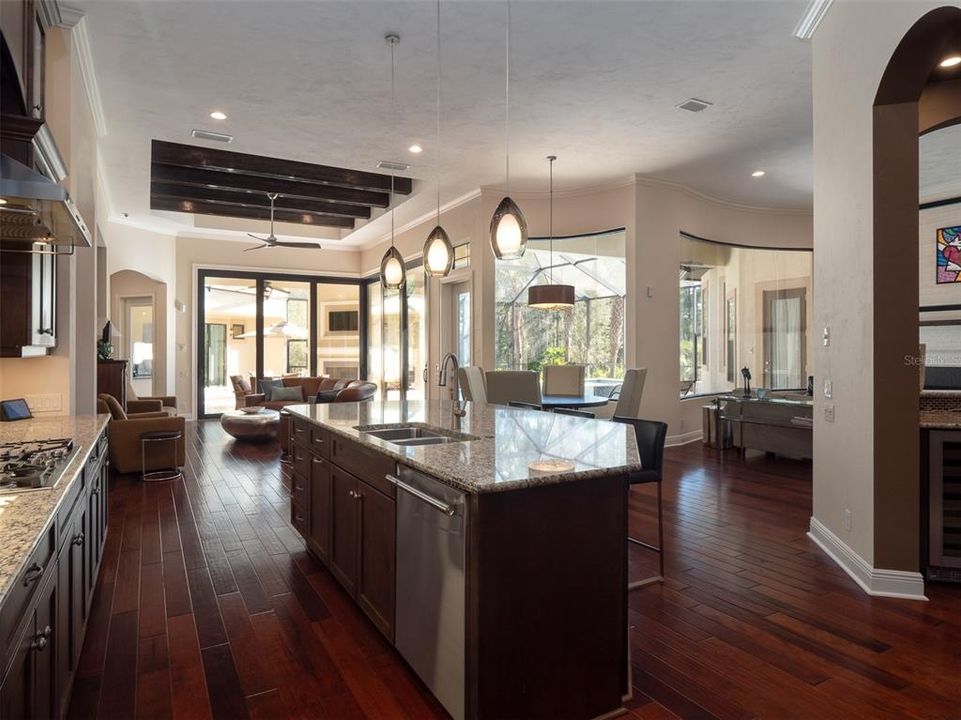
(37, 214)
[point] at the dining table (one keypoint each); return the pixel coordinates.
(575, 402)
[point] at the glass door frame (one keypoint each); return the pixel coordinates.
(373, 284)
(260, 277)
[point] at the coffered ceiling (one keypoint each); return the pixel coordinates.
(594, 82)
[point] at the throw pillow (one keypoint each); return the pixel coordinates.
(327, 396)
(267, 387)
(114, 406)
(295, 392)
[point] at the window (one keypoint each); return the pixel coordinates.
(590, 334)
(745, 308)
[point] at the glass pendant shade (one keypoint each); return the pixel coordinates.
(438, 254)
(508, 231)
(392, 272)
(550, 297)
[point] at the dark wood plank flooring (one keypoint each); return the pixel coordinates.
(207, 606)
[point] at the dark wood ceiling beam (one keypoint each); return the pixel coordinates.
(288, 188)
(259, 200)
(180, 155)
(240, 211)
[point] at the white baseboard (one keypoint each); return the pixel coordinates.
(684, 438)
(874, 581)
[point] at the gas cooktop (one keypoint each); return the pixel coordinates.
(36, 465)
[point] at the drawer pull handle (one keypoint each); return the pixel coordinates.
(34, 573)
(355, 495)
(78, 540)
(298, 487)
(40, 640)
(318, 461)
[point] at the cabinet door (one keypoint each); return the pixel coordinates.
(378, 544)
(344, 536)
(80, 581)
(320, 507)
(46, 690)
(16, 695)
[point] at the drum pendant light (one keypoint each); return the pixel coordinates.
(508, 226)
(551, 296)
(438, 251)
(393, 276)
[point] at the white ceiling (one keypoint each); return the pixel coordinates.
(593, 82)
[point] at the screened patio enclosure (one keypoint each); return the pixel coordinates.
(591, 333)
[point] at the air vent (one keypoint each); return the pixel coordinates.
(694, 105)
(391, 165)
(210, 135)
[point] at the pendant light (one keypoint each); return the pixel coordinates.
(438, 251)
(551, 296)
(508, 226)
(393, 275)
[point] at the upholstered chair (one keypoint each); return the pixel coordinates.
(506, 385)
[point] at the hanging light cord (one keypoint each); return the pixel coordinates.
(507, 101)
(550, 214)
(438, 112)
(393, 42)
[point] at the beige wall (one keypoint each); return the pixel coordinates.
(127, 284)
(848, 63)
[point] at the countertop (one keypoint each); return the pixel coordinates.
(24, 515)
(951, 394)
(940, 420)
(509, 442)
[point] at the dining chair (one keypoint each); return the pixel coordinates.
(564, 380)
(629, 396)
(574, 412)
(472, 384)
(506, 385)
(650, 435)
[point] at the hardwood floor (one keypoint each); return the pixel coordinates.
(207, 606)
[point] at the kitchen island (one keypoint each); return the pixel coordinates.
(490, 549)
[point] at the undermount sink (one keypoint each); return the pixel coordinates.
(413, 435)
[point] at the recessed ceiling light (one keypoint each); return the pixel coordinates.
(757, 173)
(415, 148)
(951, 61)
(3, 201)
(218, 115)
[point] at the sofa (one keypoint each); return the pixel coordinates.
(125, 428)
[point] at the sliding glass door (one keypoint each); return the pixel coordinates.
(252, 326)
(397, 338)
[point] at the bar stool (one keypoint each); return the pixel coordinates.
(160, 436)
(651, 436)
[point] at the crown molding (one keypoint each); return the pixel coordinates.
(652, 181)
(604, 186)
(808, 24)
(74, 19)
(419, 220)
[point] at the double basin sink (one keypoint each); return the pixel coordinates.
(413, 435)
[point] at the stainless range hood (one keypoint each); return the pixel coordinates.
(36, 213)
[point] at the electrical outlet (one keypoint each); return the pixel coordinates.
(828, 389)
(829, 412)
(46, 402)
(846, 520)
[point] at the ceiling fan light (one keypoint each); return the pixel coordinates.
(550, 297)
(393, 276)
(438, 254)
(508, 231)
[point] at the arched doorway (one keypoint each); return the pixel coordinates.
(915, 96)
(138, 312)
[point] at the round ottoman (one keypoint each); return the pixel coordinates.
(256, 427)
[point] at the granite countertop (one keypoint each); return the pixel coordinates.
(25, 515)
(509, 442)
(952, 394)
(940, 420)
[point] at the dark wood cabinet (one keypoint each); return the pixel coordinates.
(345, 538)
(377, 553)
(45, 612)
(318, 538)
(28, 294)
(112, 379)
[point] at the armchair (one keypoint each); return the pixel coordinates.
(166, 404)
(124, 433)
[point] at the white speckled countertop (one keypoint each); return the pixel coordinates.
(508, 441)
(25, 515)
(940, 420)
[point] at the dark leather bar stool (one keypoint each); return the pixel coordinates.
(651, 436)
(160, 436)
(572, 411)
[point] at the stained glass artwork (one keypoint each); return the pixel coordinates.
(949, 254)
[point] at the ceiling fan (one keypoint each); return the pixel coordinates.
(272, 241)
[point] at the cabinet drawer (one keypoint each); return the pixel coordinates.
(369, 465)
(320, 441)
(301, 461)
(298, 515)
(65, 516)
(300, 431)
(24, 587)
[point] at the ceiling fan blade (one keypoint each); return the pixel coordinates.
(257, 237)
(256, 247)
(312, 246)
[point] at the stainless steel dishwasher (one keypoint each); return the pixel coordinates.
(430, 612)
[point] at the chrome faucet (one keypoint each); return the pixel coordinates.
(451, 359)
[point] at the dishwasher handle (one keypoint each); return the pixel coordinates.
(449, 510)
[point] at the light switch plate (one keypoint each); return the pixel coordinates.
(828, 389)
(829, 413)
(827, 337)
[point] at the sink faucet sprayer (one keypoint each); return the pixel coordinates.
(451, 359)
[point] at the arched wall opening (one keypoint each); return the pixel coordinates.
(138, 312)
(912, 98)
